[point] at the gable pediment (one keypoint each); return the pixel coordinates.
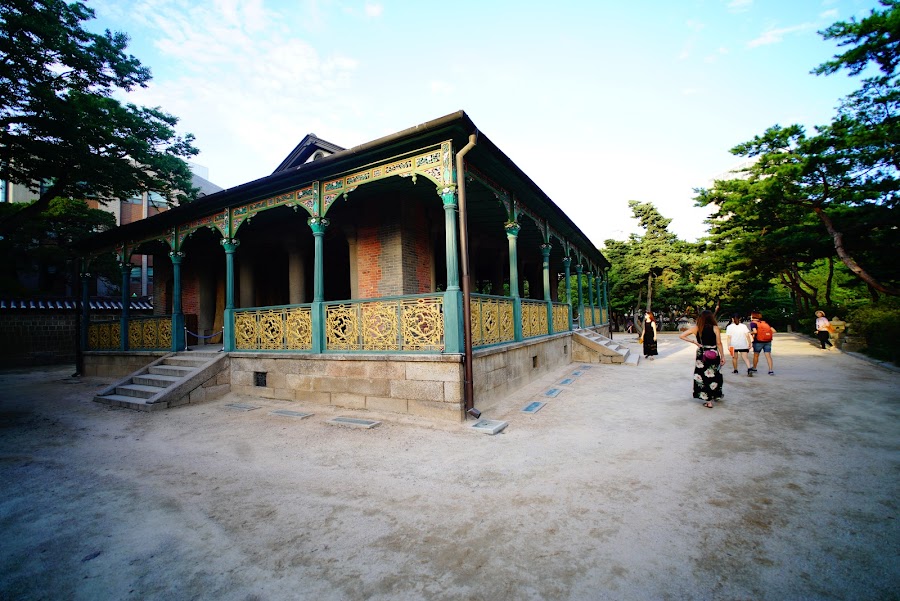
(310, 148)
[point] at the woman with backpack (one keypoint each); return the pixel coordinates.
(709, 360)
(762, 334)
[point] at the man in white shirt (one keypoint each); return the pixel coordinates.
(739, 341)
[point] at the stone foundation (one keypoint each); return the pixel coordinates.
(502, 370)
(426, 386)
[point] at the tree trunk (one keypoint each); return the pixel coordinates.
(852, 265)
(649, 290)
(829, 281)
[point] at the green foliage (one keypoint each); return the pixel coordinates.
(879, 323)
(60, 123)
(40, 251)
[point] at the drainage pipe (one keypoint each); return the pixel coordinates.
(468, 384)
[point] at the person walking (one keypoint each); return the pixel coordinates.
(739, 341)
(709, 360)
(650, 347)
(823, 330)
(762, 334)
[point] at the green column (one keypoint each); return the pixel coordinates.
(567, 265)
(578, 269)
(85, 309)
(605, 294)
(590, 283)
(230, 245)
(545, 266)
(179, 342)
(600, 295)
(454, 327)
(512, 235)
(126, 305)
(318, 225)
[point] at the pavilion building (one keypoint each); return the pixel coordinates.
(418, 273)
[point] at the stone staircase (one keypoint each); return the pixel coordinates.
(173, 380)
(591, 347)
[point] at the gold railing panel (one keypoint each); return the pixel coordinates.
(534, 319)
(400, 324)
(103, 336)
(492, 320)
(150, 332)
(379, 326)
(279, 329)
(423, 324)
(560, 318)
(342, 328)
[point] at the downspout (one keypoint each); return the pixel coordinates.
(468, 383)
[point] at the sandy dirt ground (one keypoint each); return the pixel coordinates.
(620, 487)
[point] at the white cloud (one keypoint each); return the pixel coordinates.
(711, 58)
(775, 36)
(373, 9)
(247, 85)
(739, 6)
(829, 14)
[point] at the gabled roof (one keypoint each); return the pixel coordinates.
(456, 127)
(307, 147)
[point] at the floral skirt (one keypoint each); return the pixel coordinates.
(707, 377)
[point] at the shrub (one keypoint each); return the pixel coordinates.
(879, 324)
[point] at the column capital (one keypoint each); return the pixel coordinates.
(545, 249)
(567, 262)
(176, 256)
(512, 228)
(579, 268)
(448, 196)
(318, 225)
(230, 244)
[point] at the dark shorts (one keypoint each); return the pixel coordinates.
(741, 350)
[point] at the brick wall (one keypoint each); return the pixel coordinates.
(394, 251)
(37, 338)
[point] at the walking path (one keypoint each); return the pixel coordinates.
(621, 487)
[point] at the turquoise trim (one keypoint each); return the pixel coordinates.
(126, 306)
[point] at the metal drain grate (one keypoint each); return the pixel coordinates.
(489, 426)
(533, 407)
(289, 413)
(553, 392)
(242, 406)
(577, 374)
(566, 382)
(353, 422)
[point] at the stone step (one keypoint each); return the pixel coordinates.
(170, 370)
(128, 402)
(185, 361)
(632, 359)
(137, 390)
(159, 380)
(204, 355)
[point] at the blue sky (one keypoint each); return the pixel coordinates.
(598, 102)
